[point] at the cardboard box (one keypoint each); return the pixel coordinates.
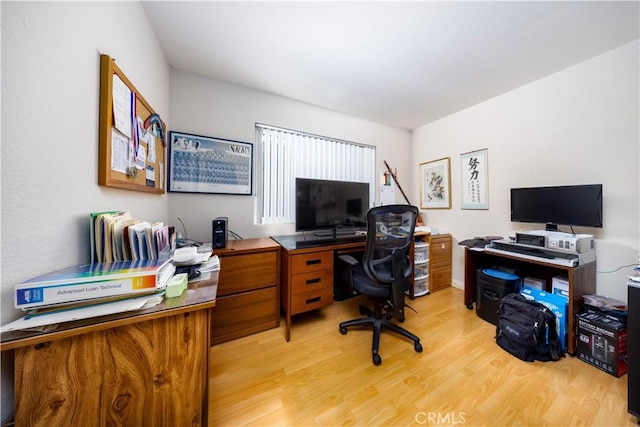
(535, 283)
(558, 306)
(560, 286)
(602, 342)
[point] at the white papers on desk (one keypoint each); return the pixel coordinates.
(213, 264)
(425, 229)
(197, 258)
(94, 310)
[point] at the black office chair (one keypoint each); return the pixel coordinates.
(384, 272)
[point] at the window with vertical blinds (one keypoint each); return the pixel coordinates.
(285, 155)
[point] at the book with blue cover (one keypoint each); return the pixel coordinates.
(90, 281)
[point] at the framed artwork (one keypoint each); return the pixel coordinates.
(202, 164)
(475, 183)
(435, 184)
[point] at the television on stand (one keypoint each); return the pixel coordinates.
(571, 205)
(331, 209)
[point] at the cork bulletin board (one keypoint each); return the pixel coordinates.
(132, 137)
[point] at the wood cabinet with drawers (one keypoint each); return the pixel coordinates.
(307, 273)
(307, 280)
(311, 281)
(439, 262)
(248, 289)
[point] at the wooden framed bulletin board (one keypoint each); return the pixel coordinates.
(132, 151)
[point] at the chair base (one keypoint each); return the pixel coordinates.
(378, 323)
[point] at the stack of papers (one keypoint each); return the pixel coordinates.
(90, 290)
(35, 320)
(213, 264)
(604, 303)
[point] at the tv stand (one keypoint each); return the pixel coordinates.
(582, 279)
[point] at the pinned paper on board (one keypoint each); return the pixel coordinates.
(387, 189)
(121, 106)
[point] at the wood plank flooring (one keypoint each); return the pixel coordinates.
(322, 378)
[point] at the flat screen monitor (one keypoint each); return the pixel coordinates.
(573, 205)
(334, 206)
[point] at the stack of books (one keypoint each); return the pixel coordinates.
(90, 290)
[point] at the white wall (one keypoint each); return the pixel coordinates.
(578, 126)
(209, 107)
(50, 91)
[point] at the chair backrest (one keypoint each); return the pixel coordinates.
(390, 230)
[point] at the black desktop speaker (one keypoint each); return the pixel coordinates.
(219, 237)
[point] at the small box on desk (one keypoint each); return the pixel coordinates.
(602, 342)
(558, 306)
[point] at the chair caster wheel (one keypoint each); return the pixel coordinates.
(377, 360)
(418, 347)
(343, 331)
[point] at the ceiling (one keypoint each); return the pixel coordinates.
(404, 64)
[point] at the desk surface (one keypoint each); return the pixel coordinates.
(300, 242)
(310, 241)
(199, 295)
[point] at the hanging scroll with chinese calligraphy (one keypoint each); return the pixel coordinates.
(475, 180)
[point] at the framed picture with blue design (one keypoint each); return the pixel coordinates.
(203, 164)
(435, 184)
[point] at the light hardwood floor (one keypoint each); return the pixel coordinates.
(322, 378)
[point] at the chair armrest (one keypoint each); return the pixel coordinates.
(349, 260)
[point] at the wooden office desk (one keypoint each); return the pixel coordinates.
(582, 280)
(149, 367)
(308, 274)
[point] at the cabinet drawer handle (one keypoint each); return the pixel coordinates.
(314, 261)
(312, 300)
(313, 281)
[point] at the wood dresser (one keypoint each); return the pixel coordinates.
(142, 368)
(439, 262)
(248, 289)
